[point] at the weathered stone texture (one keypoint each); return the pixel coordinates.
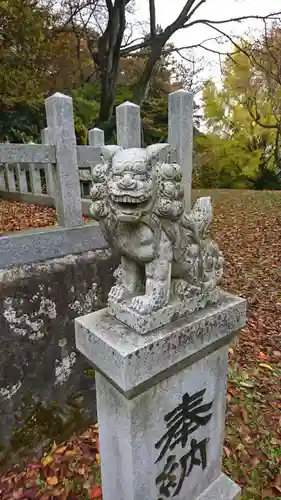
(161, 402)
(38, 358)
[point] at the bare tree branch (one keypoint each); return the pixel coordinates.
(116, 39)
(273, 16)
(256, 117)
(152, 14)
(109, 6)
(187, 11)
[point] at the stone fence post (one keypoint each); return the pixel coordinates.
(128, 123)
(60, 122)
(180, 136)
(21, 178)
(96, 137)
(34, 175)
(3, 186)
(49, 169)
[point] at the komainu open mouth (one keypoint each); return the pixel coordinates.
(127, 201)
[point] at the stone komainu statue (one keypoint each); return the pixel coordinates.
(165, 258)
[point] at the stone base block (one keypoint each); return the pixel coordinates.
(221, 489)
(145, 323)
(134, 361)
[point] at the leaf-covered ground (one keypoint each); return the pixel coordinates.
(16, 216)
(247, 226)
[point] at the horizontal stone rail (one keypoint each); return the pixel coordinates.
(42, 244)
(42, 199)
(27, 153)
(39, 153)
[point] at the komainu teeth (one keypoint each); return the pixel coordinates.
(128, 199)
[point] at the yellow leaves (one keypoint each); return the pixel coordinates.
(70, 453)
(60, 450)
(98, 458)
(47, 460)
(266, 366)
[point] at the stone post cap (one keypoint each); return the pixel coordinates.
(58, 96)
(128, 104)
(134, 362)
(182, 91)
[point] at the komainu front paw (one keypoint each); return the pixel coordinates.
(117, 293)
(146, 304)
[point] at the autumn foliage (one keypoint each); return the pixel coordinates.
(247, 226)
(68, 471)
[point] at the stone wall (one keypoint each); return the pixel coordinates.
(46, 386)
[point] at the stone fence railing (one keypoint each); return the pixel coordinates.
(35, 182)
(53, 172)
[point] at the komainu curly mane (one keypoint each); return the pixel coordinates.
(165, 258)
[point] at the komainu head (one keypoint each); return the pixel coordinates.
(136, 182)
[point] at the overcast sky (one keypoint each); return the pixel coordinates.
(167, 11)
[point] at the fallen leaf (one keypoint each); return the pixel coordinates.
(247, 384)
(261, 355)
(268, 367)
(234, 392)
(60, 450)
(227, 451)
(268, 493)
(81, 471)
(95, 492)
(47, 460)
(245, 415)
(255, 462)
(277, 483)
(70, 453)
(52, 480)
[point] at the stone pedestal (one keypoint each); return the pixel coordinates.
(161, 403)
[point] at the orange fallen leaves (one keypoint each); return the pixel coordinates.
(65, 472)
(52, 480)
(95, 493)
(18, 216)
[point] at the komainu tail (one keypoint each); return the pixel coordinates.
(200, 217)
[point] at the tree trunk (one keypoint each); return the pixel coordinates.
(277, 149)
(141, 88)
(108, 92)
(107, 58)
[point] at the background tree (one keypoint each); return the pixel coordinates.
(34, 62)
(238, 149)
(109, 19)
(262, 88)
